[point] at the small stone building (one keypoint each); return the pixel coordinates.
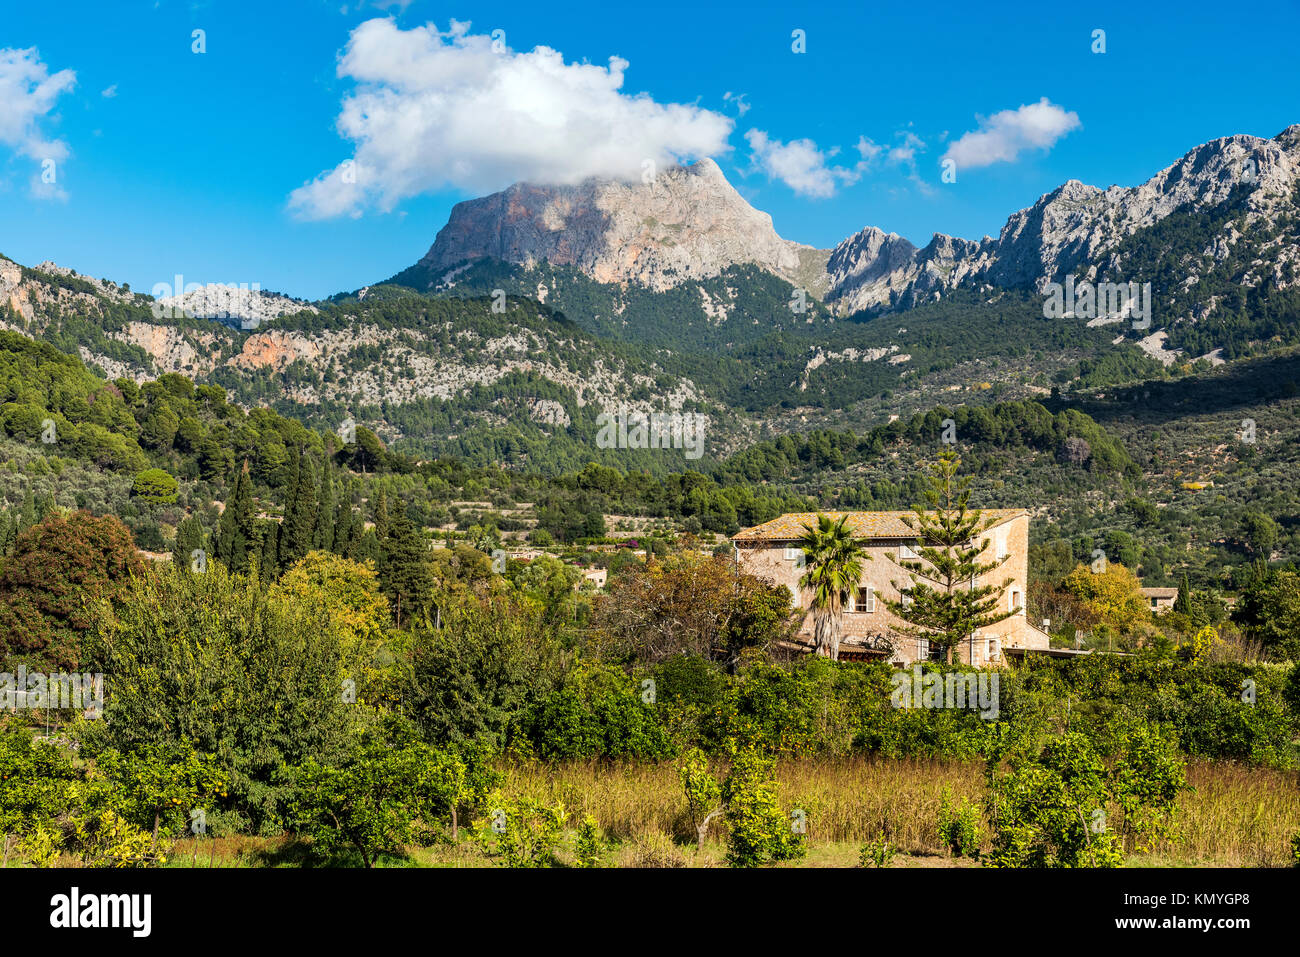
(1160, 599)
(771, 551)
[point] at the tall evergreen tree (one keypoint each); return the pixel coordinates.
(1183, 603)
(324, 531)
(233, 540)
(404, 571)
(27, 517)
(380, 517)
(345, 530)
(8, 531)
(269, 564)
(945, 602)
(299, 514)
(189, 539)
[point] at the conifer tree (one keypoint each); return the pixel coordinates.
(8, 532)
(269, 563)
(27, 517)
(945, 601)
(233, 539)
(299, 514)
(404, 572)
(189, 539)
(345, 530)
(1183, 603)
(380, 517)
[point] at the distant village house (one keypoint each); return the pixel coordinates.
(1160, 599)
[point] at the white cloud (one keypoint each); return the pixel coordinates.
(805, 168)
(905, 152)
(109, 93)
(738, 101)
(435, 110)
(1002, 137)
(28, 92)
(868, 150)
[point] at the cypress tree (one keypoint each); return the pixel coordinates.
(27, 517)
(404, 572)
(381, 517)
(299, 515)
(234, 535)
(272, 533)
(189, 538)
(8, 531)
(344, 529)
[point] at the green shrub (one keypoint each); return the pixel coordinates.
(597, 711)
(588, 844)
(758, 832)
(959, 828)
(522, 832)
(878, 852)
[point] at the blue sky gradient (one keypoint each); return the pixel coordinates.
(184, 163)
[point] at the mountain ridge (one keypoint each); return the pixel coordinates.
(688, 224)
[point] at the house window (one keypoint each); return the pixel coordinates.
(905, 600)
(1155, 602)
(993, 650)
(923, 648)
(792, 553)
(865, 600)
(1015, 600)
(905, 553)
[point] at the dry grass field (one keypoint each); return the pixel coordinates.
(1233, 816)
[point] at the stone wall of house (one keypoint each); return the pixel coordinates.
(779, 563)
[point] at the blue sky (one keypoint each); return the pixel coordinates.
(167, 161)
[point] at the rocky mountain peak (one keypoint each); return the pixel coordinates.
(686, 222)
(1289, 138)
(1073, 224)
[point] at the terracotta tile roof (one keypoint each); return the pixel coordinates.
(1160, 592)
(864, 524)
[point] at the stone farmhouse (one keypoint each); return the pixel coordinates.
(1160, 599)
(771, 551)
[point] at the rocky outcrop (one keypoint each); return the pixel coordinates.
(688, 223)
(171, 349)
(1074, 225)
(239, 306)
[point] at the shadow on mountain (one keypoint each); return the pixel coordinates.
(1242, 385)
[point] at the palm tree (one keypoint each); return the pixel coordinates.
(833, 559)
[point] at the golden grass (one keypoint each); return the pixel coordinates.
(1235, 816)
